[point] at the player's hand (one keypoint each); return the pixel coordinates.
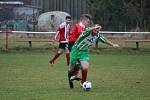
(55, 39)
(98, 27)
(115, 45)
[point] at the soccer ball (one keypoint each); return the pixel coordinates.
(87, 86)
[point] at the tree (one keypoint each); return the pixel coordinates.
(118, 13)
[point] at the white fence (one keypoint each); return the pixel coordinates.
(5, 35)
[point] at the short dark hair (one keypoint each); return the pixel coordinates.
(68, 17)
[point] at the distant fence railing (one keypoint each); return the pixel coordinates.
(5, 37)
(7, 32)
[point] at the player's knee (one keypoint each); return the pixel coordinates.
(72, 66)
(59, 51)
(84, 67)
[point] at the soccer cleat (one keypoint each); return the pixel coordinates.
(70, 82)
(72, 78)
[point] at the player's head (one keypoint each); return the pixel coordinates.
(86, 19)
(68, 19)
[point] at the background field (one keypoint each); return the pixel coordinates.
(122, 74)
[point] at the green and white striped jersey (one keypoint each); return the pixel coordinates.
(86, 39)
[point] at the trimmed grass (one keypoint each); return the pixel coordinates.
(115, 75)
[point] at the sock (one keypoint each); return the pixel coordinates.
(84, 75)
(55, 57)
(76, 71)
(68, 58)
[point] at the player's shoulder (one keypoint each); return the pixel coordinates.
(62, 24)
(74, 27)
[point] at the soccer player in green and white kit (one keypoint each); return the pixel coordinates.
(79, 51)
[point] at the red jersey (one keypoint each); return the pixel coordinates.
(75, 32)
(63, 31)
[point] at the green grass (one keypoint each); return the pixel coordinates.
(115, 75)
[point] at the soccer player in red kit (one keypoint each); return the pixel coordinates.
(63, 32)
(78, 28)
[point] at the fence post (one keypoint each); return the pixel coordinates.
(30, 44)
(6, 40)
(5, 34)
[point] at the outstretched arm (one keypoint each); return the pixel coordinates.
(96, 27)
(112, 44)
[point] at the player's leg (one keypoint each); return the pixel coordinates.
(76, 69)
(73, 60)
(85, 65)
(67, 54)
(70, 73)
(57, 54)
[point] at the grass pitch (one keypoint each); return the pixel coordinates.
(115, 75)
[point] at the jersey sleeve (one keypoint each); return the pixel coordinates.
(102, 38)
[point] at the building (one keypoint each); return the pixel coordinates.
(29, 12)
(74, 7)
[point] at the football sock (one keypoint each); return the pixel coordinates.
(84, 75)
(55, 57)
(68, 58)
(76, 71)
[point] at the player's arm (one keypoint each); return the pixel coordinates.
(56, 35)
(58, 30)
(103, 39)
(90, 29)
(95, 28)
(111, 44)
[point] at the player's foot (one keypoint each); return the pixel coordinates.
(51, 62)
(71, 84)
(72, 78)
